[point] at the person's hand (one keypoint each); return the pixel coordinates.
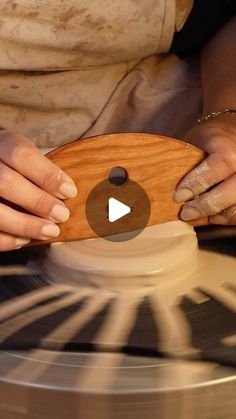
(210, 188)
(31, 192)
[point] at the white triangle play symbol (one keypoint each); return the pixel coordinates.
(116, 210)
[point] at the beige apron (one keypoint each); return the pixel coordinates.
(73, 69)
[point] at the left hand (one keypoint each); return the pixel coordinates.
(210, 188)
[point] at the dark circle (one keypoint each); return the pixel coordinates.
(126, 228)
(117, 176)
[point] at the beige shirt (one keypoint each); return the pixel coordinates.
(65, 63)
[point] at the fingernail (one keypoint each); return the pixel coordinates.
(189, 213)
(68, 189)
(218, 219)
(182, 195)
(21, 242)
(60, 213)
(50, 230)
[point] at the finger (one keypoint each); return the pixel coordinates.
(221, 197)
(211, 171)
(26, 226)
(228, 216)
(21, 155)
(8, 242)
(17, 189)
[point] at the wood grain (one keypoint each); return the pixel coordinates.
(155, 162)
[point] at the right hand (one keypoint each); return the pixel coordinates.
(36, 186)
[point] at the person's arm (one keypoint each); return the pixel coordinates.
(219, 70)
(217, 137)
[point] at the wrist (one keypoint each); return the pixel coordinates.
(227, 119)
(202, 134)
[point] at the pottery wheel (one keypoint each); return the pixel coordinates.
(149, 337)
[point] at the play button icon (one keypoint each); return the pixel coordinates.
(117, 210)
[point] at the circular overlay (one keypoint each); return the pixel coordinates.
(106, 201)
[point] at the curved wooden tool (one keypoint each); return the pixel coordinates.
(155, 162)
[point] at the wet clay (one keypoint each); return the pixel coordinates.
(155, 291)
(142, 261)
